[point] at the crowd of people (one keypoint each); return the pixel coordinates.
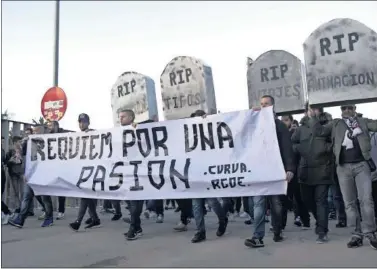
(329, 168)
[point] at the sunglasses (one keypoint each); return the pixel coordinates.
(347, 108)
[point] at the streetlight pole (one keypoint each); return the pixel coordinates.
(56, 47)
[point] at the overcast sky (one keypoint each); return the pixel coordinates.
(101, 40)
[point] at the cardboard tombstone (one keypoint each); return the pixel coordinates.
(136, 92)
(341, 63)
(279, 74)
(186, 86)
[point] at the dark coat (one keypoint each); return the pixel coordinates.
(285, 145)
(316, 165)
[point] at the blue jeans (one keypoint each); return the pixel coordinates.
(197, 206)
(27, 202)
(258, 203)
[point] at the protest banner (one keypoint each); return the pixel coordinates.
(186, 86)
(136, 92)
(224, 155)
(279, 74)
(341, 63)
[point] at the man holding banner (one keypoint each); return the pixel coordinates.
(198, 208)
(86, 203)
(259, 202)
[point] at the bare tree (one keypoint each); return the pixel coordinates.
(6, 115)
(40, 121)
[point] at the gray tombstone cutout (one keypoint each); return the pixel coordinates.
(136, 92)
(341, 63)
(279, 74)
(186, 86)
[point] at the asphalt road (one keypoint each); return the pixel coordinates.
(160, 246)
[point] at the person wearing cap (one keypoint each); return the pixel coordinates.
(86, 203)
(352, 148)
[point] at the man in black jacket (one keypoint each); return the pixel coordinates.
(316, 171)
(259, 202)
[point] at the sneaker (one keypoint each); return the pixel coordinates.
(60, 216)
(42, 217)
(47, 222)
(167, 208)
(133, 235)
(373, 241)
(322, 238)
(116, 217)
(177, 210)
(297, 222)
(16, 222)
(180, 227)
(249, 221)
(244, 215)
(146, 214)
(5, 219)
(222, 227)
(127, 220)
(332, 216)
(30, 214)
(75, 226)
(88, 221)
(94, 224)
(231, 217)
(198, 237)
(341, 224)
(160, 219)
(355, 242)
(254, 242)
(278, 237)
(305, 227)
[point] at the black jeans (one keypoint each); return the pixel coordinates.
(61, 201)
(107, 204)
(186, 209)
(85, 204)
(276, 207)
(315, 199)
(40, 201)
(300, 209)
(136, 207)
(339, 203)
(246, 207)
(159, 207)
(170, 201)
(4, 207)
(116, 206)
(374, 193)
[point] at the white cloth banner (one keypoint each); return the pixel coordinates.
(226, 155)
